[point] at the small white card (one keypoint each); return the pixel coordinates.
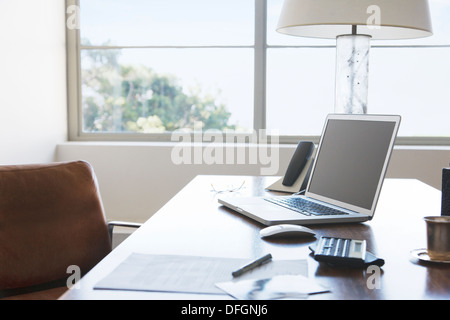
(277, 287)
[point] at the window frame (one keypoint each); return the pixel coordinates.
(260, 47)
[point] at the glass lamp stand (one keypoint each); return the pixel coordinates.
(352, 73)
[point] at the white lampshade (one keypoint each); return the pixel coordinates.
(398, 19)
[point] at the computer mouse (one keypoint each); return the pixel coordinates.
(286, 231)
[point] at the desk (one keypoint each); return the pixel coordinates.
(193, 223)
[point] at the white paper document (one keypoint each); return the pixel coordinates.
(189, 274)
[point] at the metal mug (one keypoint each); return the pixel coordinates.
(438, 238)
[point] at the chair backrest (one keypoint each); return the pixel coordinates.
(51, 217)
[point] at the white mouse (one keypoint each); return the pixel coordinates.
(286, 231)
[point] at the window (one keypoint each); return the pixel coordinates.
(139, 70)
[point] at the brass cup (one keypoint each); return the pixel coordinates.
(438, 238)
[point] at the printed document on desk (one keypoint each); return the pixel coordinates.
(189, 274)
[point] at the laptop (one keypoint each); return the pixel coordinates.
(346, 178)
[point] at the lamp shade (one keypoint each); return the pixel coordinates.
(381, 19)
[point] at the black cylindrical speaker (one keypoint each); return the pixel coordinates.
(445, 192)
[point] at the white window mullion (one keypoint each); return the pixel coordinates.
(260, 65)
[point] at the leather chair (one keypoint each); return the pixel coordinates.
(51, 217)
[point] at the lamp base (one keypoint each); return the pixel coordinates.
(352, 73)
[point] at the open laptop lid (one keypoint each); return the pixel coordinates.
(352, 160)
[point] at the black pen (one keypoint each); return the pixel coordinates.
(252, 265)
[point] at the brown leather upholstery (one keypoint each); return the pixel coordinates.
(51, 217)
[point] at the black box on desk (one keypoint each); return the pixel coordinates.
(445, 211)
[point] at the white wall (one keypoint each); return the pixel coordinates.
(32, 80)
(136, 179)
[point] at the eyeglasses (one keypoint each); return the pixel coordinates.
(231, 189)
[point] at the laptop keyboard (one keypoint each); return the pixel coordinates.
(304, 206)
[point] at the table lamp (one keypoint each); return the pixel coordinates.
(354, 23)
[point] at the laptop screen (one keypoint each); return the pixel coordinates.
(352, 159)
